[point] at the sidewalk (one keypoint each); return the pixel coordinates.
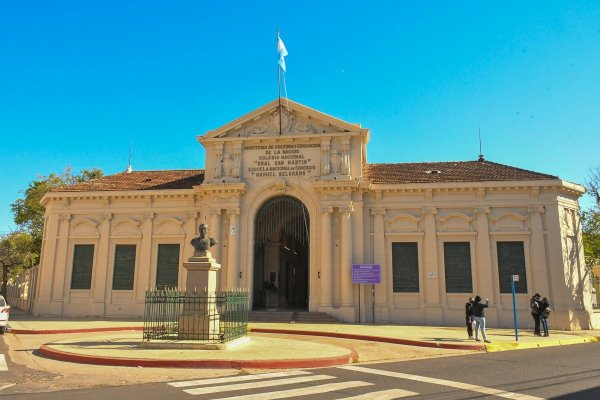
(117, 342)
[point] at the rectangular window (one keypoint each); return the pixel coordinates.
(124, 268)
(167, 265)
(457, 263)
(511, 261)
(405, 265)
(83, 260)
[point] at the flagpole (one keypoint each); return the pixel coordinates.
(279, 86)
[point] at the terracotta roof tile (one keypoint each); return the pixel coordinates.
(457, 171)
(141, 180)
(398, 173)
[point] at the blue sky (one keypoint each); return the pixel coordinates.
(82, 80)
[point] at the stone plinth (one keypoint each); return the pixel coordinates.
(201, 319)
(201, 273)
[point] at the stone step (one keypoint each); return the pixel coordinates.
(291, 316)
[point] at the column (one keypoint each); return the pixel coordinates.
(346, 258)
(431, 275)
(233, 251)
(326, 269)
(539, 269)
(381, 290)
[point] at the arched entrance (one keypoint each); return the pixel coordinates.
(281, 254)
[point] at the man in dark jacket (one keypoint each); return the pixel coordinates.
(534, 304)
(468, 317)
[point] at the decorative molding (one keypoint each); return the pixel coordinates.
(327, 210)
(459, 215)
(64, 216)
(482, 210)
(164, 220)
(506, 214)
(429, 210)
(378, 211)
(536, 209)
(122, 220)
(233, 211)
(406, 216)
(214, 211)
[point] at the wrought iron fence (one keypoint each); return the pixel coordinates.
(172, 314)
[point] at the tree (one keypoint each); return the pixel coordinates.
(593, 185)
(16, 252)
(29, 213)
(590, 221)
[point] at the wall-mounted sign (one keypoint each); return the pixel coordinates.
(515, 278)
(432, 274)
(233, 229)
(366, 273)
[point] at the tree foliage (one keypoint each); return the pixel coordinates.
(590, 221)
(17, 251)
(29, 213)
(591, 237)
(593, 185)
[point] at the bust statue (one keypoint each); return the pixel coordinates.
(202, 243)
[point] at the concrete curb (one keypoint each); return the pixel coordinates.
(49, 352)
(494, 347)
(80, 330)
(408, 342)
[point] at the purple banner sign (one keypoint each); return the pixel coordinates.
(366, 273)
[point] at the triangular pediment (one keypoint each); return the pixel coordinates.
(296, 120)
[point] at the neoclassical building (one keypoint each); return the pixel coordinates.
(293, 203)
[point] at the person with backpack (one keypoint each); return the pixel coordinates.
(534, 304)
(544, 314)
(469, 317)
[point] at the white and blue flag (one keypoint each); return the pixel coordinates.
(281, 52)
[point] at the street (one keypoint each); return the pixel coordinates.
(563, 372)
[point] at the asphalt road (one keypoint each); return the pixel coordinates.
(565, 372)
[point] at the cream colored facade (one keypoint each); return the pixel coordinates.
(320, 161)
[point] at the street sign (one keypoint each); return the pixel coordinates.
(366, 273)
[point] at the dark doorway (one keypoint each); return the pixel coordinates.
(281, 254)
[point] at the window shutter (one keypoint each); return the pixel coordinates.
(83, 260)
(124, 267)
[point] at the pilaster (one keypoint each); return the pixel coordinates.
(381, 290)
(326, 268)
(433, 310)
(233, 251)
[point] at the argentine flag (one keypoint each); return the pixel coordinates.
(282, 52)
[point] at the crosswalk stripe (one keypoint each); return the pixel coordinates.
(383, 395)
(3, 366)
(216, 381)
(444, 382)
(261, 384)
(285, 394)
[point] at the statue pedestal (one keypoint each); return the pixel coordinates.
(201, 273)
(200, 319)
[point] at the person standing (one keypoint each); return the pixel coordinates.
(534, 304)
(478, 314)
(544, 314)
(469, 317)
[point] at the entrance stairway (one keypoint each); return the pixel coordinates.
(284, 316)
